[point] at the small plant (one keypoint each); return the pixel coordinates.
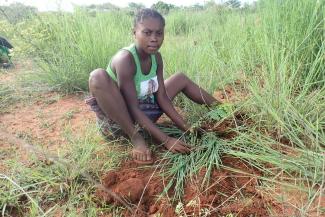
(220, 112)
(7, 97)
(70, 114)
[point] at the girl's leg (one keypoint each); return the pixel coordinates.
(179, 82)
(111, 102)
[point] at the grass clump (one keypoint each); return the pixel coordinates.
(7, 97)
(79, 43)
(64, 185)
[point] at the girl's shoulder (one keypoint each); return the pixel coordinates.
(124, 59)
(123, 56)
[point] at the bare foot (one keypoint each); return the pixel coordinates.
(141, 153)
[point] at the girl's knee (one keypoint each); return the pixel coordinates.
(180, 76)
(96, 77)
(97, 73)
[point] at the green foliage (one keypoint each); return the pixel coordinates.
(72, 38)
(220, 112)
(206, 155)
(93, 8)
(6, 29)
(42, 187)
(163, 7)
(135, 6)
(6, 96)
(16, 12)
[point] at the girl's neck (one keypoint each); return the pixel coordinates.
(142, 55)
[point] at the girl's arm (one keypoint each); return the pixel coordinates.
(125, 70)
(164, 101)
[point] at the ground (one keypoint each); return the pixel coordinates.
(45, 120)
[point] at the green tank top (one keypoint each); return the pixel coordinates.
(145, 85)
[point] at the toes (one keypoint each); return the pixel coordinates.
(148, 155)
(142, 157)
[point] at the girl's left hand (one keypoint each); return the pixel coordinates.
(177, 146)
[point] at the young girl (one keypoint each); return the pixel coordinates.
(133, 91)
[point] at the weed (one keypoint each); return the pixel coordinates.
(70, 114)
(7, 97)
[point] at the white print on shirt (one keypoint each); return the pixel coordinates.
(148, 87)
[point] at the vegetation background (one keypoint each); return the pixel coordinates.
(274, 49)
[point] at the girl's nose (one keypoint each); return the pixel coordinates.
(153, 38)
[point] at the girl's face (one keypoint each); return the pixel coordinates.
(149, 35)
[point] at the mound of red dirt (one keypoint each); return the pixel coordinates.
(228, 192)
(130, 189)
(135, 184)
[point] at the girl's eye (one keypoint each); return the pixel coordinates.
(147, 33)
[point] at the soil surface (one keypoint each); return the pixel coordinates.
(41, 120)
(228, 192)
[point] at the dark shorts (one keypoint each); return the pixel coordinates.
(112, 130)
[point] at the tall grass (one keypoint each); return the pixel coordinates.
(79, 43)
(281, 54)
(275, 50)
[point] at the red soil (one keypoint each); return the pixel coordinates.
(228, 192)
(44, 123)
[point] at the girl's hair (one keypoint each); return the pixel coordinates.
(146, 13)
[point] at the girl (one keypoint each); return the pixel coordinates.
(132, 90)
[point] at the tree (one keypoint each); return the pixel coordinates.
(17, 12)
(99, 7)
(163, 7)
(135, 6)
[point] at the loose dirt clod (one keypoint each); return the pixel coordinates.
(227, 192)
(130, 189)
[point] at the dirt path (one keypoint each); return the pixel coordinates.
(46, 121)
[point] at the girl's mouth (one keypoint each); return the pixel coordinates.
(153, 46)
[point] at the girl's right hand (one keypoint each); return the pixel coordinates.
(177, 146)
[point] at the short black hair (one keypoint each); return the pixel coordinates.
(146, 13)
